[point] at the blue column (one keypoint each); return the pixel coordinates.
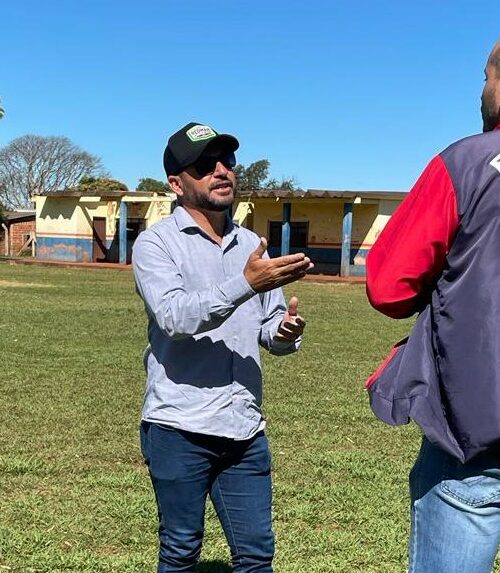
(122, 233)
(345, 260)
(285, 229)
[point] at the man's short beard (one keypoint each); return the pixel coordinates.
(205, 204)
(490, 119)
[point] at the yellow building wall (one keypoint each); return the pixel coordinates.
(325, 221)
(158, 209)
(54, 220)
(71, 218)
(73, 215)
(243, 214)
(386, 209)
(364, 217)
(64, 225)
(86, 211)
(325, 218)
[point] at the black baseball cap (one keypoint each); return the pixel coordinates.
(185, 146)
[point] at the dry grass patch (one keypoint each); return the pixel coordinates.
(17, 284)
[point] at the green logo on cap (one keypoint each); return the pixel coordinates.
(200, 132)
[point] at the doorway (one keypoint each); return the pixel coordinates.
(99, 249)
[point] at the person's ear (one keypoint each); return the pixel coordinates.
(175, 183)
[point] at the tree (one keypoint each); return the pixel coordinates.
(33, 164)
(2, 213)
(285, 183)
(256, 176)
(99, 185)
(152, 185)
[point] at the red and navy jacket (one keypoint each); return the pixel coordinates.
(439, 255)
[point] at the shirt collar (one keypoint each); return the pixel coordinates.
(185, 221)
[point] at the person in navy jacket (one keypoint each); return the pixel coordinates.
(439, 256)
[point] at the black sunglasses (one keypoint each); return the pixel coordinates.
(206, 164)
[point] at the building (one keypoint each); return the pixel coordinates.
(17, 233)
(82, 226)
(336, 229)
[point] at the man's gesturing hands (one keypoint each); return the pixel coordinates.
(292, 325)
(265, 274)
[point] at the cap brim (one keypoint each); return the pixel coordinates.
(223, 141)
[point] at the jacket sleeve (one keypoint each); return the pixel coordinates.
(409, 254)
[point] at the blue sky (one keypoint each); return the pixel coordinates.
(338, 94)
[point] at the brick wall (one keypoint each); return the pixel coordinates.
(17, 233)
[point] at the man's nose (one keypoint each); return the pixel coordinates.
(220, 169)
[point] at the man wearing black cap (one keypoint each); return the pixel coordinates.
(212, 296)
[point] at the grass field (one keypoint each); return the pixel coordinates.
(74, 495)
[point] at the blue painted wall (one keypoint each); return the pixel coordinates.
(72, 249)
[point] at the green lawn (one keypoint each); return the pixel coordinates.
(74, 495)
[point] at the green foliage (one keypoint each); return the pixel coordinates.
(152, 185)
(256, 176)
(100, 185)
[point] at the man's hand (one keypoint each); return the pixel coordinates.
(265, 274)
(292, 325)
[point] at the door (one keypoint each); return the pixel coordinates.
(99, 249)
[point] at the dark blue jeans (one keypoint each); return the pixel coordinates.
(185, 468)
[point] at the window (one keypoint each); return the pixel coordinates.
(298, 234)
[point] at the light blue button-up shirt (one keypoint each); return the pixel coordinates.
(205, 327)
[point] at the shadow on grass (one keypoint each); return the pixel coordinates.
(213, 567)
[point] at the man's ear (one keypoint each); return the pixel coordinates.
(175, 183)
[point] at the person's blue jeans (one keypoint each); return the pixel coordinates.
(185, 468)
(455, 525)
